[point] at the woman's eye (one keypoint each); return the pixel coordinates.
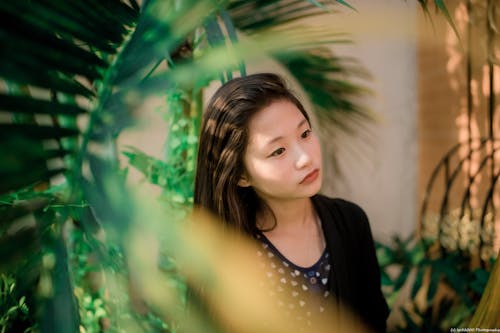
(277, 152)
(306, 133)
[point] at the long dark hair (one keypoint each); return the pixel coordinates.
(223, 140)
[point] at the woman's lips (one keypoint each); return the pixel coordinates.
(310, 177)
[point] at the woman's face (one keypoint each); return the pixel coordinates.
(283, 157)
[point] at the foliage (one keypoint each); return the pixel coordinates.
(486, 314)
(443, 289)
(15, 314)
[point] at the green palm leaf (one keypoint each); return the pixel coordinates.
(58, 51)
(30, 105)
(322, 75)
(266, 14)
(440, 7)
(62, 52)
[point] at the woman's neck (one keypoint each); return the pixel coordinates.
(287, 214)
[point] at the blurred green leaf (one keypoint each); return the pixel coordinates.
(152, 168)
(346, 4)
(28, 104)
(480, 279)
(10, 251)
(60, 313)
(269, 14)
(436, 276)
(442, 7)
(401, 279)
(418, 282)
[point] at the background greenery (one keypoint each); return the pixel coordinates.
(74, 76)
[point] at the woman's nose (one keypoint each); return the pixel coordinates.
(303, 158)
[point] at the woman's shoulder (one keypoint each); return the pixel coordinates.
(341, 214)
(345, 206)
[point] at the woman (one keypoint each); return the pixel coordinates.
(259, 170)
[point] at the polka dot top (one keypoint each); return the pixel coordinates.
(308, 286)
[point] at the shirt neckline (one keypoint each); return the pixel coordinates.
(313, 267)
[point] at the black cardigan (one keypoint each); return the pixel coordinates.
(355, 277)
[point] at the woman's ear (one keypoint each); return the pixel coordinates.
(243, 182)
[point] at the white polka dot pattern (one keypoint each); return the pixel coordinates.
(308, 286)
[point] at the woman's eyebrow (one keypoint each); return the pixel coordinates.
(302, 122)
